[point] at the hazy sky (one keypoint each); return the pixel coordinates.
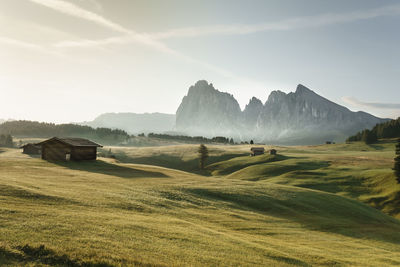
(65, 61)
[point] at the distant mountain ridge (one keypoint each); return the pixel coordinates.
(297, 118)
(300, 117)
(135, 123)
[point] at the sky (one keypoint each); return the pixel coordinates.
(70, 61)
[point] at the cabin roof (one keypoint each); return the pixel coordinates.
(30, 144)
(79, 142)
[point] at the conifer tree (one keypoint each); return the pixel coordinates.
(397, 161)
(203, 155)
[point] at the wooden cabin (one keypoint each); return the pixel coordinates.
(257, 151)
(31, 149)
(65, 149)
(272, 152)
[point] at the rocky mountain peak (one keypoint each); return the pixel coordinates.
(201, 87)
(254, 101)
(276, 96)
(306, 93)
(300, 117)
(205, 110)
(252, 111)
(302, 89)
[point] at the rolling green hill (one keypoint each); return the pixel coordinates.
(356, 170)
(316, 205)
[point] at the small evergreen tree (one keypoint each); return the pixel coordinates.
(251, 142)
(203, 155)
(231, 141)
(397, 161)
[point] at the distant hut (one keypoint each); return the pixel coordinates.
(272, 152)
(31, 149)
(64, 149)
(257, 151)
(328, 142)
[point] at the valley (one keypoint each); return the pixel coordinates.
(300, 207)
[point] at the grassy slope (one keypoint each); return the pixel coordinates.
(180, 157)
(128, 214)
(362, 172)
(358, 171)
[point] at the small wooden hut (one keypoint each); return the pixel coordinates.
(31, 149)
(272, 152)
(257, 151)
(64, 149)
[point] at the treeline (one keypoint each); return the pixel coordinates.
(6, 140)
(47, 130)
(106, 136)
(192, 139)
(389, 129)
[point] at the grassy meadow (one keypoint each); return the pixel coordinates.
(151, 206)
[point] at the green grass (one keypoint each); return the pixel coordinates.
(229, 166)
(180, 157)
(317, 205)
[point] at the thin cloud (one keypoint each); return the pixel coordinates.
(357, 103)
(103, 42)
(153, 39)
(76, 11)
(129, 37)
(284, 25)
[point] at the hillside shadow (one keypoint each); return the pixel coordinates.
(13, 191)
(377, 147)
(303, 168)
(229, 167)
(348, 184)
(102, 167)
(314, 211)
(42, 255)
(382, 202)
(312, 165)
(175, 162)
(8, 257)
